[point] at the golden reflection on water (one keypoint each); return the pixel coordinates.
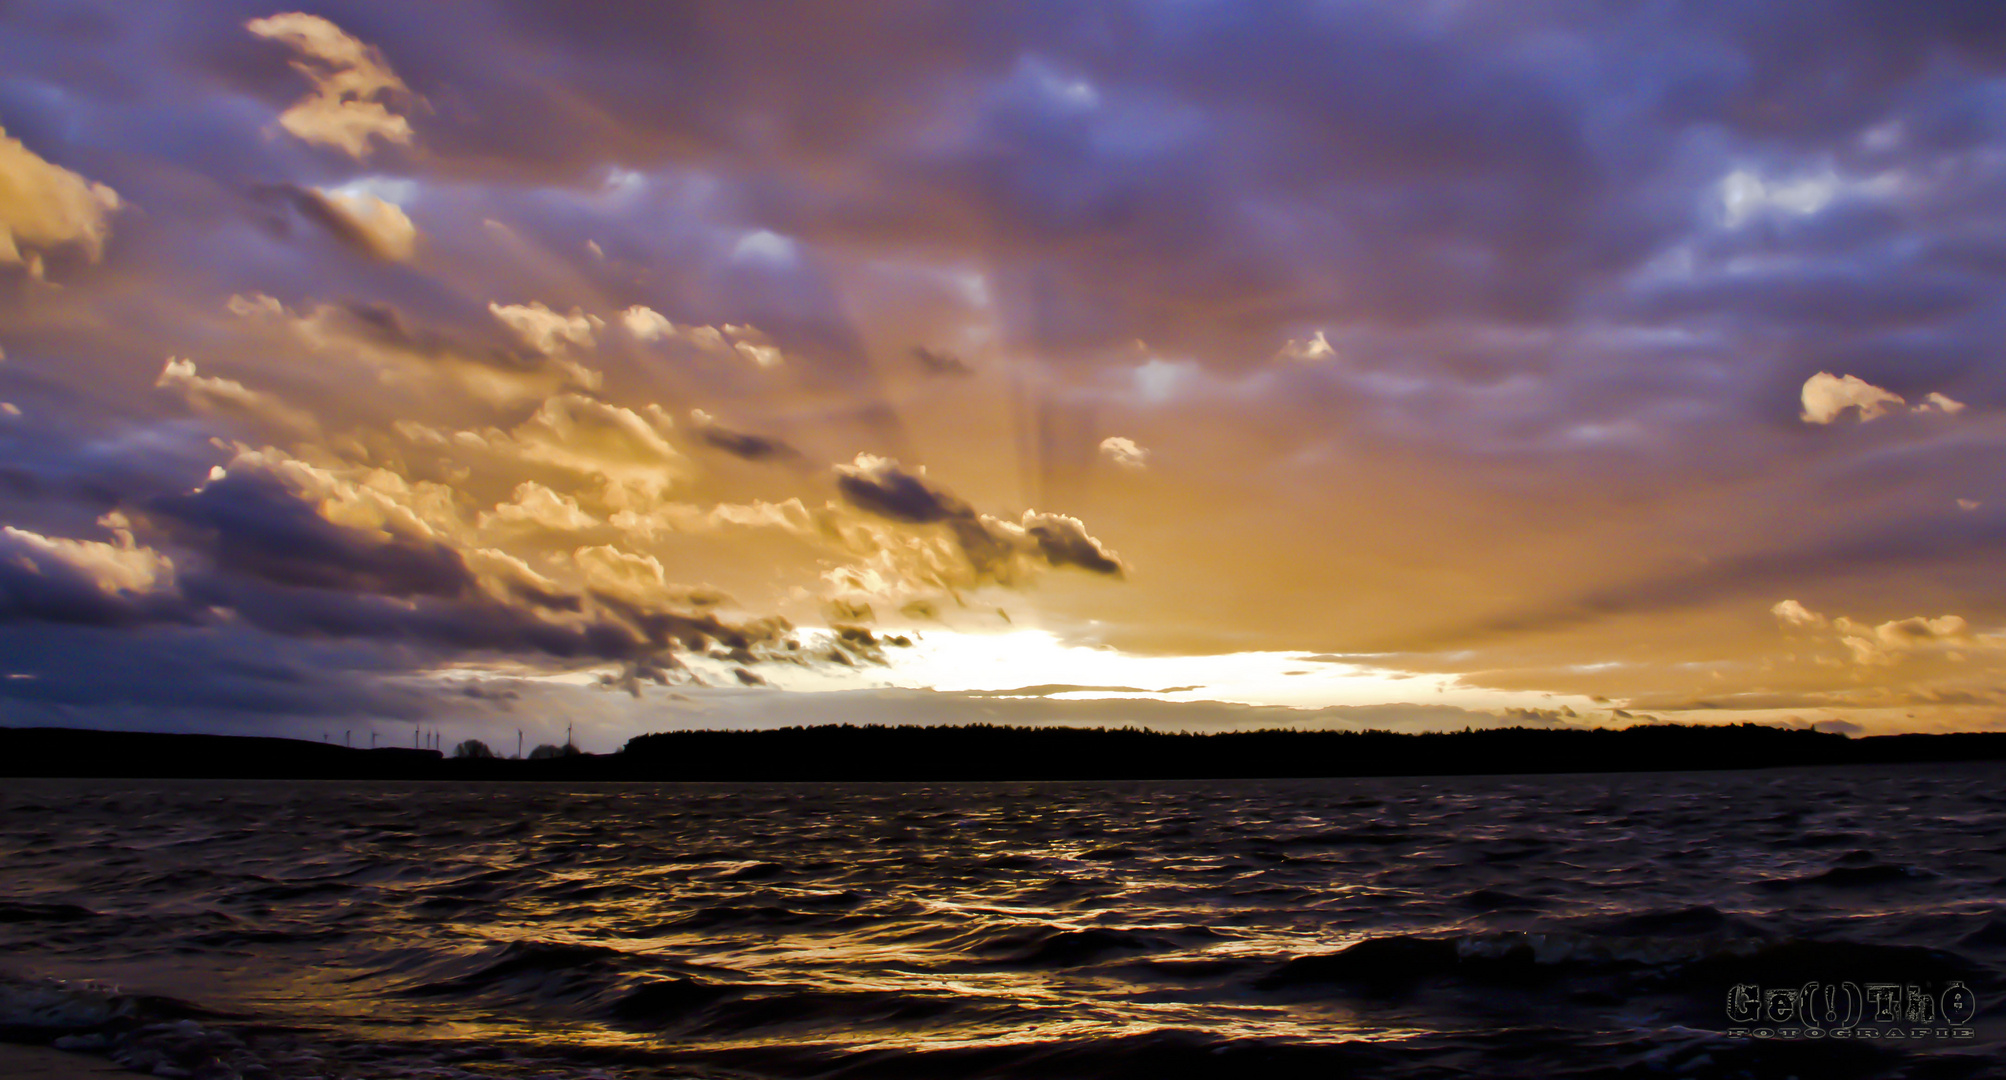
(874, 919)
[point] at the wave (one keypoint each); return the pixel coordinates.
(1853, 877)
(26, 912)
(1499, 900)
(1046, 946)
(528, 968)
(1398, 963)
(1190, 929)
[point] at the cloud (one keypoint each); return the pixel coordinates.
(1124, 452)
(626, 452)
(545, 330)
(86, 582)
(646, 324)
(753, 345)
(537, 505)
(880, 486)
(362, 220)
(764, 245)
(707, 338)
(1160, 381)
(636, 579)
(353, 85)
(1538, 717)
(45, 206)
(1884, 643)
(845, 611)
(211, 394)
(1063, 541)
(1827, 396)
(1744, 194)
(1050, 689)
(253, 523)
(994, 550)
(1888, 642)
(278, 546)
(221, 677)
(739, 443)
(379, 340)
(1312, 351)
(1795, 614)
(1543, 311)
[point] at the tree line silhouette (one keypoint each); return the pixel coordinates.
(987, 752)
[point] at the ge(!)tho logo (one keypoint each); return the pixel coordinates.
(1849, 1010)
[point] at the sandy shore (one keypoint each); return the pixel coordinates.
(42, 1063)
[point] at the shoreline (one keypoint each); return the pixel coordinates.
(980, 753)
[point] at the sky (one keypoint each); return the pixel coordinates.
(484, 366)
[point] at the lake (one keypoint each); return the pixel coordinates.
(1691, 924)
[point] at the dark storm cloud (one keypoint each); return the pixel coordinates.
(328, 215)
(250, 550)
(59, 475)
(252, 525)
(745, 445)
(1063, 541)
(1429, 153)
(991, 546)
(39, 585)
(888, 491)
(62, 674)
(643, 642)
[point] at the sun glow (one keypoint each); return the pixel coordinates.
(1038, 663)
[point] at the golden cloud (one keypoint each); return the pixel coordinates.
(45, 206)
(350, 82)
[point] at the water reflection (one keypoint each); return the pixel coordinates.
(786, 930)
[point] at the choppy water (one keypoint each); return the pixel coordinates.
(1501, 926)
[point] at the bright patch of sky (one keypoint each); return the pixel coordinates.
(1073, 93)
(1160, 380)
(1746, 194)
(391, 189)
(950, 661)
(763, 245)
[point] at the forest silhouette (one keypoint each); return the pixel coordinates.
(986, 752)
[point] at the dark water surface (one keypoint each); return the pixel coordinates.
(1481, 926)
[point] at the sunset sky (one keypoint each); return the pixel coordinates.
(1192, 363)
